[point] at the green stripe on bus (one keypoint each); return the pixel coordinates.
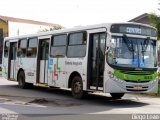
(132, 76)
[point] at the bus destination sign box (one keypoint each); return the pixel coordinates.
(133, 29)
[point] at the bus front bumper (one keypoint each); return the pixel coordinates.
(121, 86)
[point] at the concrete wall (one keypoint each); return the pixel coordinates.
(3, 33)
(16, 29)
(4, 26)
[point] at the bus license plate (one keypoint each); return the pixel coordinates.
(137, 87)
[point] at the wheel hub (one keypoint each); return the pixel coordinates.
(77, 87)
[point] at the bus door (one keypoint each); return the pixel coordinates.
(97, 59)
(43, 60)
(12, 60)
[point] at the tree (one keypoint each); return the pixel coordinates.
(56, 27)
(155, 22)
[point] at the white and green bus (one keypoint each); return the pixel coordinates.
(114, 58)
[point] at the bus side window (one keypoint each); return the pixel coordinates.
(32, 47)
(22, 47)
(77, 44)
(6, 47)
(58, 45)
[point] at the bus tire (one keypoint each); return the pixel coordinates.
(29, 85)
(117, 95)
(77, 87)
(21, 80)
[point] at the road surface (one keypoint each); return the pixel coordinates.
(44, 103)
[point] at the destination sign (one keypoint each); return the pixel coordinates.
(133, 29)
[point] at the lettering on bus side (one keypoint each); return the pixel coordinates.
(73, 63)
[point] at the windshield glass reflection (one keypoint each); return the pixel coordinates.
(132, 52)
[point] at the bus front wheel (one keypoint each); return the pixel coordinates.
(117, 95)
(21, 80)
(77, 87)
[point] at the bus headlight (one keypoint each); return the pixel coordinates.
(113, 77)
(117, 80)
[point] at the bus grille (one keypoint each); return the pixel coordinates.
(137, 81)
(138, 72)
(131, 88)
(136, 90)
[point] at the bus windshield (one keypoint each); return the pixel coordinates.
(132, 52)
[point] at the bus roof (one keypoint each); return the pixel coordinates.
(79, 28)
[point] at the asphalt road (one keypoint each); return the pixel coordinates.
(44, 103)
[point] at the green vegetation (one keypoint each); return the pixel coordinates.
(155, 22)
(158, 94)
(56, 27)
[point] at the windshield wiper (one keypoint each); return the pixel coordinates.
(145, 44)
(129, 44)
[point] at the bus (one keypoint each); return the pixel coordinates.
(115, 58)
(1, 47)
